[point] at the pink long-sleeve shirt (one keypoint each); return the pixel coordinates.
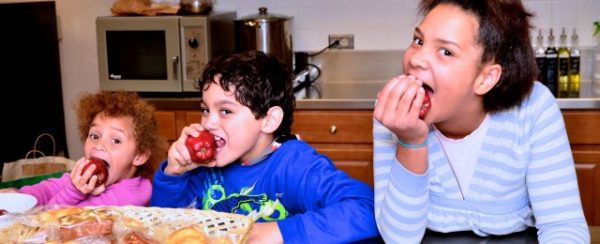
(60, 191)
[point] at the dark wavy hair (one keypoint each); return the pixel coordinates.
(119, 104)
(504, 27)
(260, 81)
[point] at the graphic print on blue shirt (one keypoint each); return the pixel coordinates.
(215, 197)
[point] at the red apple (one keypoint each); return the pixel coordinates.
(3, 212)
(202, 148)
(426, 106)
(101, 170)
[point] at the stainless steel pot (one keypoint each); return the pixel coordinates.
(270, 33)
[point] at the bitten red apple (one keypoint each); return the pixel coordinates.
(425, 107)
(101, 170)
(202, 148)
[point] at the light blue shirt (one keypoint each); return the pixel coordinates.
(525, 176)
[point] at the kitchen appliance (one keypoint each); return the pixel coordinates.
(158, 54)
(270, 33)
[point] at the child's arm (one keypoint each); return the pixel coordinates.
(54, 191)
(334, 208)
(397, 190)
(551, 178)
(173, 191)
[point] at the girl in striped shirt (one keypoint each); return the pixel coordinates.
(466, 140)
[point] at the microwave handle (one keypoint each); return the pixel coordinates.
(175, 65)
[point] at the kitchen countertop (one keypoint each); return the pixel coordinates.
(194, 103)
(356, 95)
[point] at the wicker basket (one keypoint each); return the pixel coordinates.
(171, 219)
(155, 222)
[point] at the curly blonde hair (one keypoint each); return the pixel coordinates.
(124, 103)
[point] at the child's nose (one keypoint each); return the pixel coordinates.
(210, 122)
(418, 59)
(100, 146)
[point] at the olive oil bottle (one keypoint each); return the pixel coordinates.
(574, 84)
(563, 67)
(551, 63)
(540, 57)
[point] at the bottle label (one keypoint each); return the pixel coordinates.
(574, 66)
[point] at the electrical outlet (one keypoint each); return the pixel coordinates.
(346, 41)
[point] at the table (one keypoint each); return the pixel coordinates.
(526, 237)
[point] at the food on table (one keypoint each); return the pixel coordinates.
(3, 212)
(101, 170)
(88, 222)
(128, 224)
(135, 237)
(191, 234)
(202, 148)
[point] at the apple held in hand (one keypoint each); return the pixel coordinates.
(202, 148)
(101, 170)
(426, 106)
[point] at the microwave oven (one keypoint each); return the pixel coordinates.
(160, 54)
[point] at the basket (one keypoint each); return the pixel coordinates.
(155, 222)
(171, 219)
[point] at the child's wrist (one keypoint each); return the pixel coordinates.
(411, 145)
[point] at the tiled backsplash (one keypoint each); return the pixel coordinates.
(388, 24)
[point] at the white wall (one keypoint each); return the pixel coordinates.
(376, 25)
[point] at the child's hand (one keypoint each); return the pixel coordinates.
(86, 182)
(179, 158)
(398, 106)
(9, 190)
(265, 233)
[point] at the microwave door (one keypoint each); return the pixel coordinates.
(139, 53)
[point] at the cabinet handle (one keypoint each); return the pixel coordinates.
(332, 129)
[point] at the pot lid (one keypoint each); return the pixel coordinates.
(264, 15)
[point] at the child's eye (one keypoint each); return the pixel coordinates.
(417, 41)
(225, 111)
(116, 141)
(446, 52)
(93, 136)
(204, 110)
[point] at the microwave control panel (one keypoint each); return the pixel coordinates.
(195, 54)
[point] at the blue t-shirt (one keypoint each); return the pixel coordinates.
(313, 201)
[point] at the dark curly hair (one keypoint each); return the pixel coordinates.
(504, 34)
(123, 103)
(260, 81)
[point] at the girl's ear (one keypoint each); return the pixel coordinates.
(141, 158)
(491, 76)
(272, 120)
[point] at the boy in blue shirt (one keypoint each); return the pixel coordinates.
(247, 104)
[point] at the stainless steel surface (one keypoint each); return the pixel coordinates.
(270, 33)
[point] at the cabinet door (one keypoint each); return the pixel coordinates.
(584, 136)
(345, 136)
(589, 189)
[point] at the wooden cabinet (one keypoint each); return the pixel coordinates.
(343, 135)
(583, 129)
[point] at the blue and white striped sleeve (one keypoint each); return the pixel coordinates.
(551, 178)
(401, 197)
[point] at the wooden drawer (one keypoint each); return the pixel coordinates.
(582, 126)
(334, 126)
(167, 125)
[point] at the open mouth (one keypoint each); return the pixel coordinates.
(426, 106)
(220, 143)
